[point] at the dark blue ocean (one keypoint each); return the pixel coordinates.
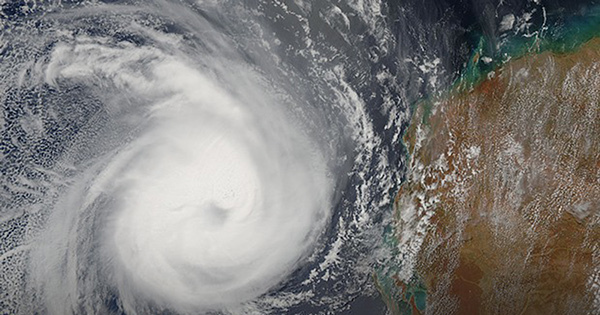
(298, 105)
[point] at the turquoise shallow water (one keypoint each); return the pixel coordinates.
(561, 31)
(344, 71)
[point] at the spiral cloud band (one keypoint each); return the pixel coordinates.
(194, 157)
(216, 197)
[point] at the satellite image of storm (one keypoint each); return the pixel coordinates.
(311, 157)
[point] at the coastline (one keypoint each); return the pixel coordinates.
(442, 230)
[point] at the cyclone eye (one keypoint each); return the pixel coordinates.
(183, 157)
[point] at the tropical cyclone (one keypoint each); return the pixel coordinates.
(188, 215)
(500, 210)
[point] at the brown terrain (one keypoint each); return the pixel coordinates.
(501, 207)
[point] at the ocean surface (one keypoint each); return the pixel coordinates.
(226, 157)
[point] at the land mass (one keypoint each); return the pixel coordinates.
(499, 213)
